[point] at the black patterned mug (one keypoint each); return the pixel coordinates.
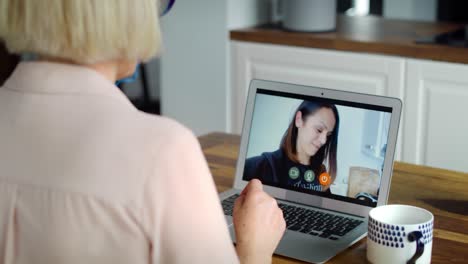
(399, 234)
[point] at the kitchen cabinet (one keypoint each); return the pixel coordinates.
(436, 114)
(434, 121)
(371, 74)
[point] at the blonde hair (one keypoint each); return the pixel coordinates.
(84, 31)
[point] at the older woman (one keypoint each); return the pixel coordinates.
(87, 178)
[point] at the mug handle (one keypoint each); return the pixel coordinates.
(416, 236)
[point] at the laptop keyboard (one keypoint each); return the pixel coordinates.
(308, 221)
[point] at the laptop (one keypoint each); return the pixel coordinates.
(327, 166)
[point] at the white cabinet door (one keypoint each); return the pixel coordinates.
(436, 115)
(364, 73)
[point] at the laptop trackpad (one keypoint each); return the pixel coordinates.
(308, 248)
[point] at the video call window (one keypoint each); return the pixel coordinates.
(326, 147)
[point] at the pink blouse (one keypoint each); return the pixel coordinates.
(87, 178)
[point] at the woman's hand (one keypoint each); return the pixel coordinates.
(259, 224)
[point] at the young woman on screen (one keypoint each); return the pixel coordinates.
(309, 142)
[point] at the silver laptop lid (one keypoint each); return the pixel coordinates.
(325, 148)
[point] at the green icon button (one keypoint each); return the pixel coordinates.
(309, 176)
(293, 173)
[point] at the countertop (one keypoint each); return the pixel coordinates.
(369, 34)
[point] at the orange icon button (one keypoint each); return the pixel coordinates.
(325, 179)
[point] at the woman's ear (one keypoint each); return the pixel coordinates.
(298, 119)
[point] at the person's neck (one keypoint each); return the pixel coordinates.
(302, 157)
(107, 69)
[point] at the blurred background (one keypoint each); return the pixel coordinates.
(190, 82)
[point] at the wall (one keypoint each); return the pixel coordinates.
(269, 123)
(195, 61)
(350, 142)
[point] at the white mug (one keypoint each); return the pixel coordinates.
(399, 234)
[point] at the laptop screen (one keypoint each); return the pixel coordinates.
(326, 147)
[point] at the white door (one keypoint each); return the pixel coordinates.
(436, 124)
(363, 73)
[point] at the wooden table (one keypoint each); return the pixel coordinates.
(443, 192)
